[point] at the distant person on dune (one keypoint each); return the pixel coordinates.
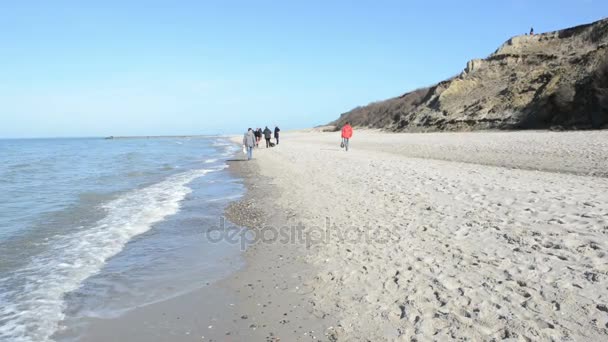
(532, 31)
(249, 143)
(267, 136)
(276, 133)
(347, 133)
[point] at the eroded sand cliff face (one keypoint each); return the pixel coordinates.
(551, 80)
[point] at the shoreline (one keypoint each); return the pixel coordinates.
(272, 287)
(194, 265)
(262, 300)
(400, 246)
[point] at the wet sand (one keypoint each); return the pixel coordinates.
(264, 301)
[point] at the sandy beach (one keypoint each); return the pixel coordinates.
(442, 236)
(475, 236)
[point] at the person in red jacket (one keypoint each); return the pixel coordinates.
(347, 133)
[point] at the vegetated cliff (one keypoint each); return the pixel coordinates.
(555, 80)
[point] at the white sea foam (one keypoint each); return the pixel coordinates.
(225, 198)
(221, 143)
(228, 147)
(32, 310)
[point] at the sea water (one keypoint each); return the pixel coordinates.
(95, 227)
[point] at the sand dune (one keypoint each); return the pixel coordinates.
(444, 236)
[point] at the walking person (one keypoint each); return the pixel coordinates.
(260, 133)
(347, 133)
(249, 143)
(267, 136)
(276, 133)
(258, 136)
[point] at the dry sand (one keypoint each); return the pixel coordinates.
(447, 236)
(408, 237)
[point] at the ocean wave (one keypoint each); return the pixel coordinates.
(32, 298)
(227, 148)
(221, 143)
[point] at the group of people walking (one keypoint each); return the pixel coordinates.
(267, 134)
(252, 139)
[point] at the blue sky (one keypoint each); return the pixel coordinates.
(97, 68)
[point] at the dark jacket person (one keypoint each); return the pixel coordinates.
(276, 133)
(267, 136)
